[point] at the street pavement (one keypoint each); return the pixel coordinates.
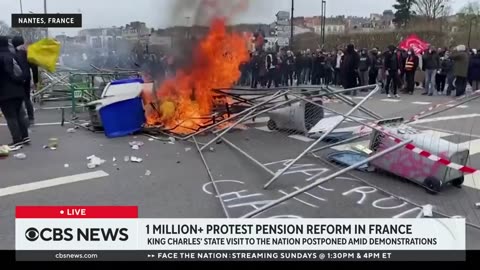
(179, 185)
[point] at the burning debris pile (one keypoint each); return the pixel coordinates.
(185, 102)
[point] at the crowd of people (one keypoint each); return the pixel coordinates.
(442, 71)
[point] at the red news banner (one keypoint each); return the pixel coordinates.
(76, 212)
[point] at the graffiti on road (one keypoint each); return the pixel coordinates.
(343, 192)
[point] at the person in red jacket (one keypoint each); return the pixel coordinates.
(411, 65)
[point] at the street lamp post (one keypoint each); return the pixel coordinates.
(291, 24)
(45, 11)
(21, 7)
(470, 30)
(324, 20)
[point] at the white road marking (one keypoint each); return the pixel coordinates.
(473, 145)
(472, 180)
(258, 120)
(391, 100)
(51, 183)
(266, 129)
(445, 118)
(301, 138)
(421, 103)
(460, 107)
(450, 131)
(41, 124)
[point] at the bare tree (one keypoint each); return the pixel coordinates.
(4, 29)
(432, 9)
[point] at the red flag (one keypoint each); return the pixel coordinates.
(413, 41)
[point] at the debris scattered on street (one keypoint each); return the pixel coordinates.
(171, 140)
(52, 143)
(188, 149)
(211, 149)
(71, 130)
(219, 141)
(148, 173)
(477, 204)
(428, 210)
(135, 147)
(126, 159)
(136, 159)
(94, 161)
(136, 143)
(20, 156)
(53, 148)
(178, 162)
(4, 151)
(45, 146)
(66, 165)
(151, 140)
(85, 125)
(114, 159)
(114, 164)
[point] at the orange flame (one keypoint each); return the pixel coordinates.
(189, 96)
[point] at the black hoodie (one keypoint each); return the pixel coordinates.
(351, 61)
(21, 53)
(11, 86)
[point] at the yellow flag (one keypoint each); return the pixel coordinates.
(44, 53)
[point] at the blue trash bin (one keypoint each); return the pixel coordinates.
(123, 118)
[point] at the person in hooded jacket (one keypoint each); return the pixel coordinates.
(29, 70)
(474, 71)
(392, 69)
(461, 61)
(364, 67)
(349, 68)
(375, 66)
(12, 95)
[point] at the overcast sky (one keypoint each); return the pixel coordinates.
(158, 13)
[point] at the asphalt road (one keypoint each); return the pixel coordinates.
(179, 185)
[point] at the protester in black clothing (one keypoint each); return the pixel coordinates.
(308, 67)
(271, 63)
(411, 65)
(12, 95)
(441, 77)
(328, 69)
(290, 68)
(349, 68)
(29, 70)
(318, 71)
(401, 57)
(392, 69)
(364, 67)
(299, 59)
(255, 67)
(375, 65)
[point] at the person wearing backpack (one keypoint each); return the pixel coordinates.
(12, 95)
(28, 70)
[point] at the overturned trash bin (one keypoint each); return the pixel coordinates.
(300, 117)
(120, 111)
(430, 174)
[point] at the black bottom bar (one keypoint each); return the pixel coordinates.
(249, 255)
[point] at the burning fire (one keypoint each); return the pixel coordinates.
(184, 102)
